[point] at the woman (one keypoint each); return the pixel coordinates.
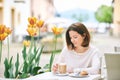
(79, 55)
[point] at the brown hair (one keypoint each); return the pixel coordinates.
(82, 30)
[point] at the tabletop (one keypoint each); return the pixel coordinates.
(51, 76)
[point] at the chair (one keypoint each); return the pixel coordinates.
(117, 48)
(113, 66)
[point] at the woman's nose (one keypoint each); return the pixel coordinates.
(71, 40)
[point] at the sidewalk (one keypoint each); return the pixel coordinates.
(105, 43)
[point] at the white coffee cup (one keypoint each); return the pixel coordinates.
(77, 70)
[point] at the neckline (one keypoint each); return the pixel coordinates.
(81, 53)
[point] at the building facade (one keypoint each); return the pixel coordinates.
(116, 18)
(15, 13)
(42, 9)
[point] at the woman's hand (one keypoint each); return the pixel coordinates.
(55, 68)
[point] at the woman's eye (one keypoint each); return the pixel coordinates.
(75, 37)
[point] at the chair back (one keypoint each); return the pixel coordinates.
(117, 48)
(113, 66)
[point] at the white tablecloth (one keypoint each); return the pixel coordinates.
(51, 76)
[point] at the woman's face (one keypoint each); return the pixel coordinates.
(76, 38)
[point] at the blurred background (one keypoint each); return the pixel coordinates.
(101, 17)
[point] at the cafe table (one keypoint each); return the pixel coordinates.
(51, 76)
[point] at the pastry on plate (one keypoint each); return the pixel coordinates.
(83, 73)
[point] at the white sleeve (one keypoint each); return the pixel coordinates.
(95, 66)
(61, 57)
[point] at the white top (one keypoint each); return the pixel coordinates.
(89, 60)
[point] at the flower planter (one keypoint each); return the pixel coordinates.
(49, 44)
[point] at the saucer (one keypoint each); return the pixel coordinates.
(78, 76)
(58, 74)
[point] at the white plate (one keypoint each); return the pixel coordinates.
(58, 74)
(78, 76)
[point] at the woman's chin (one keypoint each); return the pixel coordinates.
(76, 45)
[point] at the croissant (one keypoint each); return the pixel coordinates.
(83, 73)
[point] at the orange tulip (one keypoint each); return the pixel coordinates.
(39, 23)
(32, 20)
(26, 43)
(3, 36)
(32, 31)
(8, 30)
(3, 33)
(29, 25)
(57, 30)
(2, 29)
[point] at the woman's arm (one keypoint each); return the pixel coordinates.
(95, 65)
(59, 60)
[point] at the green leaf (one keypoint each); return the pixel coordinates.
(37, 60)
(24, 75)
(32, 56)
(11, 68)
(24, 53)
(17, 66)
(35, 70)
(51, 60)
(46, 68)
(25, 67)
(11, 71)
(6, 73)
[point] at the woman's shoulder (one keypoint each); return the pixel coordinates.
(96, 50)
(66, 50)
